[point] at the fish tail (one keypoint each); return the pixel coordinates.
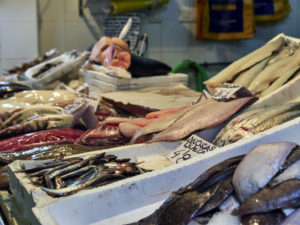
(136, 136)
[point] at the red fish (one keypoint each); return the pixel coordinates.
(40, 138)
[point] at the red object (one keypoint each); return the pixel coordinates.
(40, 138)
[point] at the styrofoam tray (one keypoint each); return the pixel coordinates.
(66, 66)
(129, 200)
(29, 195)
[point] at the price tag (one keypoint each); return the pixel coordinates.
(192, 147)
(226, 91)
(92, 101)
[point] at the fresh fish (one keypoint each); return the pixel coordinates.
(292, 172)
(29, 112)
(224, 191)
(128, 129)
(159, 125)
(280, 81)
(164, 112)
(273, 71)
(141, 67)
(293, 219)
(27, 98)
(259, 166)
(103, 135)
(7, 88)
(285, 195)
(141, 122)
(245, 62)
(45, 152)
(292, 158)
(44, 122)
(271, 218)
(254, 121)
(206, 115)
(40, 138)
(246, 77)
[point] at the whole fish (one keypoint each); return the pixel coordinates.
(38, 123)
(45, 152)
(273, 71)
(292, 172)
(254, 121)
(271, 218)
(259, 166)
(245, 78)
(292, 219)
(40, 138)
(245, 62)
(285, 195)
(205, 115)
(8, 88)
(29, 112)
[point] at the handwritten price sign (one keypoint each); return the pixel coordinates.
(192, 147)
(226, 91)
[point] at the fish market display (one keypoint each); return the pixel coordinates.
(255, 121)
(7, 88)
(237, 191)
(40, 138)
(67, 176)
(265, 69)
(209, 114)
(27, 98)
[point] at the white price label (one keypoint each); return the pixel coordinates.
(226, 91)
(92, 101)
(193, 146)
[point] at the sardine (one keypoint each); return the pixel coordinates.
(246, 77)
(292, 219)
(259, 166)
(245, 62)
(285, 195)
(206, 115)
(273, 71)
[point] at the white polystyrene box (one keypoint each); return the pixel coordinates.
(134, 198)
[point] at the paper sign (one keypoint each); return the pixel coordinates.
(193, 146)
(226, 91)
(92, 101)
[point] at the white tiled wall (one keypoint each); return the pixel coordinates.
(169, 40)
(18, 32)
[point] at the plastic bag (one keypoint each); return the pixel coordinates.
(225, 19)
(271, 10)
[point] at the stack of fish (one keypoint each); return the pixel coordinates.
(67, 176)
(263, 70)
(37, 153)
(260, 188)
(255, 121)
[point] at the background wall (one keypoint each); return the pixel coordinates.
(171, 41)
(18, 32)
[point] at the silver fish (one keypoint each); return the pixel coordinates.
(259, 166)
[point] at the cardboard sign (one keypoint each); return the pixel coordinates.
(92, 101)
(226, 91)
(193, 146)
